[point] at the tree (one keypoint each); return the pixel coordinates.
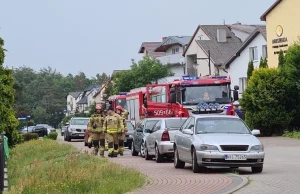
(281, 59)
(8, 121)
(81, 81)
(250, 70)
(40, 115)
(142, 73)
(263, 63)
(267, 107)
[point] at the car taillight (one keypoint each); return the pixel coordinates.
(165, 136)
(230, 110)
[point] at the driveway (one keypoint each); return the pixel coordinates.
(281, 170)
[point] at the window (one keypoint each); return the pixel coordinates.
(174, 124)
(150, 124)
(175, 50)
(79, 121)
(191, 124)
(157, 126)
(264, 52)
(184, 126)
(200, 37)
(253, 54)
(242, 84)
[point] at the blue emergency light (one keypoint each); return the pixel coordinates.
(122, 93)
(189, 78)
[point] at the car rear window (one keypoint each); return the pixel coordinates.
(79, 121)
(175, 123)
(150, 124)
(129, 126)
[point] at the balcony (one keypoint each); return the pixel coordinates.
(171, 59)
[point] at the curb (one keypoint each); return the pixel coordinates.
(244, 183)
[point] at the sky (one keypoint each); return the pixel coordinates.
(95, 36)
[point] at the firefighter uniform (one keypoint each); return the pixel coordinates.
(113, 126)
(98, 136)
(124, 115)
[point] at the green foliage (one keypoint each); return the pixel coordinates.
(45, 166)
(263, 63)
(52, 135)
(8, 121)
(294, 134)
(250, 70)
(66, 119)
(92, 109)
(265, 102)
(140, 74)
(281, 59)
(30, 136)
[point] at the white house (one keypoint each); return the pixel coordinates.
(72, 99)
(86, 98)
(147, 48)
(243, 31)
(209, 48)
(253, 49)
(173, 47)
(99, 96)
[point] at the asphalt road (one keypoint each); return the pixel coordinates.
(281, 173)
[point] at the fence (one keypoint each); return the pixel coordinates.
(3, 157)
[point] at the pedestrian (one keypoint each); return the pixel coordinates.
(113, 126)
(95, 125)
(124, 115)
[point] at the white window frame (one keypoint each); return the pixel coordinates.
(253, 53)
(264, 51)
(242, 84)
(175, 50)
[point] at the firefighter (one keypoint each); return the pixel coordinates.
(96, 127)
(124, 115)
(113, 126)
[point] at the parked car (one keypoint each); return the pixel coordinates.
(40, 130)
(141, 130)
(63, 129)
(76, 129)
(25, 130)
(48, 127)
(159, 142)
(217, 140)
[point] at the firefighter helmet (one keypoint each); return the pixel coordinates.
(98, 107)
(119, 108)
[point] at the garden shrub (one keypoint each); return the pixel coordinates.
(30, 136)
(52, 135)
(266, 103)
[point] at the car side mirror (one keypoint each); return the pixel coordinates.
(187, 132)
(255, 132)
(147, 130)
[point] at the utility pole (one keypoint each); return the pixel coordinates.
(208, 61)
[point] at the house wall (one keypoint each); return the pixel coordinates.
(241, 35)
(71, 103)
(287, 15)
(194, 51)
(238, 68)
(178, 70)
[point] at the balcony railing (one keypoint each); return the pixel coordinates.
(170, 59)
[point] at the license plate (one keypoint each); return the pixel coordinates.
(235, 157)
(81, 135)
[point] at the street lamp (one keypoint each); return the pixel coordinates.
(208, 61)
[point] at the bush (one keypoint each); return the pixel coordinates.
(52, 135)
(267, 107)
(30, 136)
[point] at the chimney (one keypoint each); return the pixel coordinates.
(221, 35)
(164, 38)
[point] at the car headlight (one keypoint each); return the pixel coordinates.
(130, 136)
(257, 148)
(208, 148)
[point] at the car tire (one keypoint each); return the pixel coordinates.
(147, 157)
(158, 157)
(196, 168)
(85, 143)
(257, 169)
(129, 146)
(142, 152)
(133, 151)
(177, 162)
(65, 137)
(69, 139)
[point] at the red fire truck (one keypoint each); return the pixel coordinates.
(198, 95)
(116, 100)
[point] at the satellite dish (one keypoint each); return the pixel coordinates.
(182, 61)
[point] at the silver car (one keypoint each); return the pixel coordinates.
(161, 138)
(76, 129)
(215, 140)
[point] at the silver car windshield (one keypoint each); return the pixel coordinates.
(221, 125)
(79, 121)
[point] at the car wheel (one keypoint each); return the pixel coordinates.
(129, 146)
(177, 162)
(133, 151)
(158, 157)
(147, 157)
(69, 138)
(257, 169)
(142, 152)
(65, 136)
(196, 168)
